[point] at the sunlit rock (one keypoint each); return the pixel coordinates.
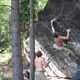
(67, 15)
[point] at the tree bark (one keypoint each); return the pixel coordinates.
(16, 43)
(32, 40)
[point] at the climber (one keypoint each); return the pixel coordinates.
(59, 40)
(40, 64)
(60, 45)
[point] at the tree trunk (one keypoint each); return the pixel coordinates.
(16, 43)
(32, 41)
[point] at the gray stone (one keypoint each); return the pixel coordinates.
(67, 15)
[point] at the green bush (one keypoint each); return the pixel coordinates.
(1, 78)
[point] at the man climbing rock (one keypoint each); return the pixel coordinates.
(60, 43)
(59, 40)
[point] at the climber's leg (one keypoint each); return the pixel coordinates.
(57, 48)
(70, 52)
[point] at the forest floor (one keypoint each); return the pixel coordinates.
(6, 69)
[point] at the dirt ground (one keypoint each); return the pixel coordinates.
(6, 70)
(8, 74)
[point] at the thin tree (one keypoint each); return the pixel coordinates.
(32, 40)
(16, 42)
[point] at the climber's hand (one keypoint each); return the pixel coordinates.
(48, 61)
(53, 20)
(68, 30)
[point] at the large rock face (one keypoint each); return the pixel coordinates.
(67, 14)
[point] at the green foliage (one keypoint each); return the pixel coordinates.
(5, 21)
(24, 17)
(4, 25)
(1, 78)
(24, 14)
(24, 10)
(39, 5)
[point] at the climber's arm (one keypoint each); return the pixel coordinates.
(67, 36)
(52, 27)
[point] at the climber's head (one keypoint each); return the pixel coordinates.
(56, 34)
